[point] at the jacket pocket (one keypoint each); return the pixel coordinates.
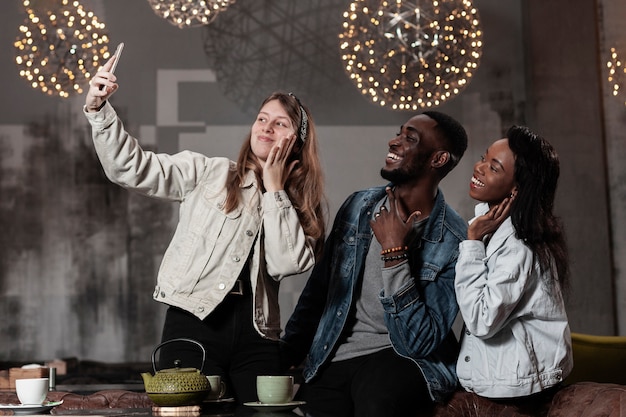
(344, 256)
(428, 273)
(203, 234)
(527, 364)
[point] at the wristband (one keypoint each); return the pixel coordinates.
(400, 257)
(396, 249)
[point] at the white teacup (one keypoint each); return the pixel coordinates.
(31, 391)
(218, 387)
(274, 389)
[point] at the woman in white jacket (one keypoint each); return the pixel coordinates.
(510, 274)
(243, 226)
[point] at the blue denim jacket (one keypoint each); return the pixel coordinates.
(419, 316)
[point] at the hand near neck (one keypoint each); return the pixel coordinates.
(393, 226)
(490, 221)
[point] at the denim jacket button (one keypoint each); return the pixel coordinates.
(467, 359)
(467, 332)
(325, 347)
(162, 294)
(236, 259)
(339, 313)
(221, 286)
(249, 233)
(200, 309)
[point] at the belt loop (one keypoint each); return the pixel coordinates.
(237, 288)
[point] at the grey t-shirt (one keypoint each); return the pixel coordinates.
(366, 331)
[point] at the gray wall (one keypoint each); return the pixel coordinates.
(79, 255)
(564, 79)
(613, 34)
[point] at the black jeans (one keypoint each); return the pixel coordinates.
(235, 350)
(382, 384)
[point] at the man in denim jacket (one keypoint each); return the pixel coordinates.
(374, 320)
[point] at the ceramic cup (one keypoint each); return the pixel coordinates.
(218, 387)
(32, 391)
(274, 389)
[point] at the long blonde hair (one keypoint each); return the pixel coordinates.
(305, 184)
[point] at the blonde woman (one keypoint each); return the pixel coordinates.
(243, 227)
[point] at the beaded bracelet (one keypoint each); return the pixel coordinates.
(395, 257)
(396, 249)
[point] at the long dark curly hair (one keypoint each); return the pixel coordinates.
(536, 174)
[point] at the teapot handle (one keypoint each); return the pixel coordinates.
(182, 339)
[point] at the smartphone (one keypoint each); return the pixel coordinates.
(118, 54)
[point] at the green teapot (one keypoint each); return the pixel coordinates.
(176, 386)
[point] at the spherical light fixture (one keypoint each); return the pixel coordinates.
(411, 54)
(58, 50)
(189, 13)
(259, 46)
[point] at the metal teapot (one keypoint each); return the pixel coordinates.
(176, 386)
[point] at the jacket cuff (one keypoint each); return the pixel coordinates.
(403, 298)
(276, 199)
(395, 277)
(104, 117)
(472, 249)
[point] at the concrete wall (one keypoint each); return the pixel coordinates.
(613, 35)
(79, 255)
(565, 104)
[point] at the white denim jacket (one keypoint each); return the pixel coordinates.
(209, 247)
(516, 340)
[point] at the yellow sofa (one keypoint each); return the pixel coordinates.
(598, 359)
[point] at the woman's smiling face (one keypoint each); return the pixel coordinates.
(271, 125)
(494, 174)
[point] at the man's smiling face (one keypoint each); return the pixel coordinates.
(410, 151)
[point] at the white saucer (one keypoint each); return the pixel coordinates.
(31, 408)
(219, 401)
(259, 406)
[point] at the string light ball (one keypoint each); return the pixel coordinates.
(189, 13)
(411, 54)
(59, 50)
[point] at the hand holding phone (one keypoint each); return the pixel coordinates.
(118, 54)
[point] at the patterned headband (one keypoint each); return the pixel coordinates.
(304, 120)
